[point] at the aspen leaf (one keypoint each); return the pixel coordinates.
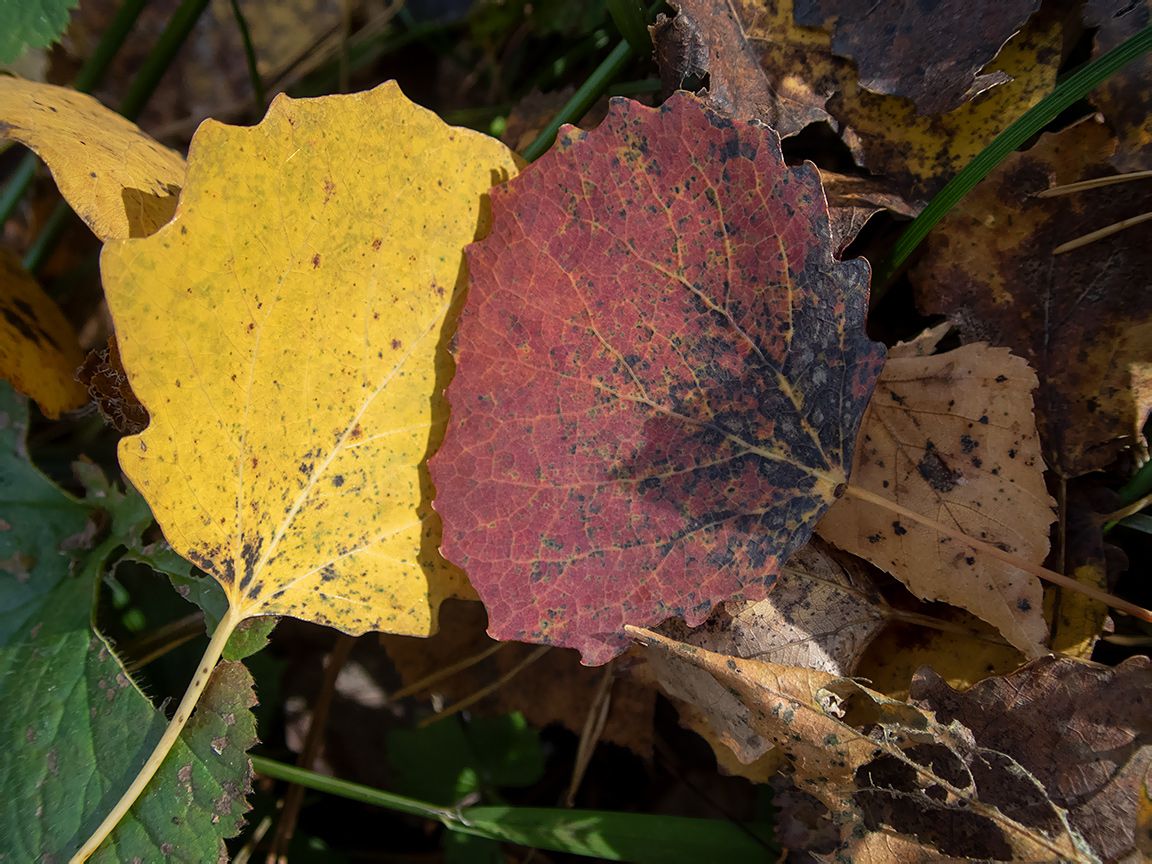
(39, 353)
(286, 334)
(952, 436)
(116, 178)
(662, 369)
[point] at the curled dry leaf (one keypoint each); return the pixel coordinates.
(821, 615)
(952, 436)
(1081, 320)
(1083, 731)
(39, 353)
(119, 181)
(931, 54)
(906, 772)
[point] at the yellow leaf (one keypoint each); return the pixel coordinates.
(39, 354)
(952, 436)
(287, 334)
(117, 179)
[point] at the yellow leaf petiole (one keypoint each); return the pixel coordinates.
(175, 727)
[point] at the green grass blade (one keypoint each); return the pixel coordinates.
(640, 837)
(250, 56)
(582, 99)
(347, 789)
(632, 22)
(1075, 86)
(613, 836)
(160, 58)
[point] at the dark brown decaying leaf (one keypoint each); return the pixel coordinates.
(1083, 731)
(853, 200)
(929, 53)
(760, 65)
(1082, 319)
(1124, 98)
(107, 382)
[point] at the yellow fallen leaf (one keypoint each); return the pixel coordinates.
(287, 332)
(39, 354)
(116, 178)
(952, 436)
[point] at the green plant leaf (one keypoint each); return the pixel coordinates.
(74, 728)
(450, 760)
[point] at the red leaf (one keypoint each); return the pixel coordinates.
(661, 374)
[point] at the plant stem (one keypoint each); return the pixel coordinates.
(175, 727)
(161, 57)
(250, 56)
(352, 791)
(999, 554)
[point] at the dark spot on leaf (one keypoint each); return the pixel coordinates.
(338, 480)
(395, 344)
(899, 529)
(936, 472)
(968, 444)
(1023, 605)
(1000, 379)
(315, 260)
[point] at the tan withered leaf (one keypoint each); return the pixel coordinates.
(1083, 731)
(822, 614)
(952, 437)
(908, 774)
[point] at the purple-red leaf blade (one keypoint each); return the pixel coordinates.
(660, 376)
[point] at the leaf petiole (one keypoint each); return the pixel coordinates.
(175, 726)
(1007, 557)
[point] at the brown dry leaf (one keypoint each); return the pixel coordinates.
(822, 614)
(952, 437)
(117, 179)
(931, 54)
(853, 200)
(760, 64)
(107, 382)
(1083, 731)
(1125, 96)
(921, 154)
(912, 775)
(1082, 319)
(39, 353)
(553, 689)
